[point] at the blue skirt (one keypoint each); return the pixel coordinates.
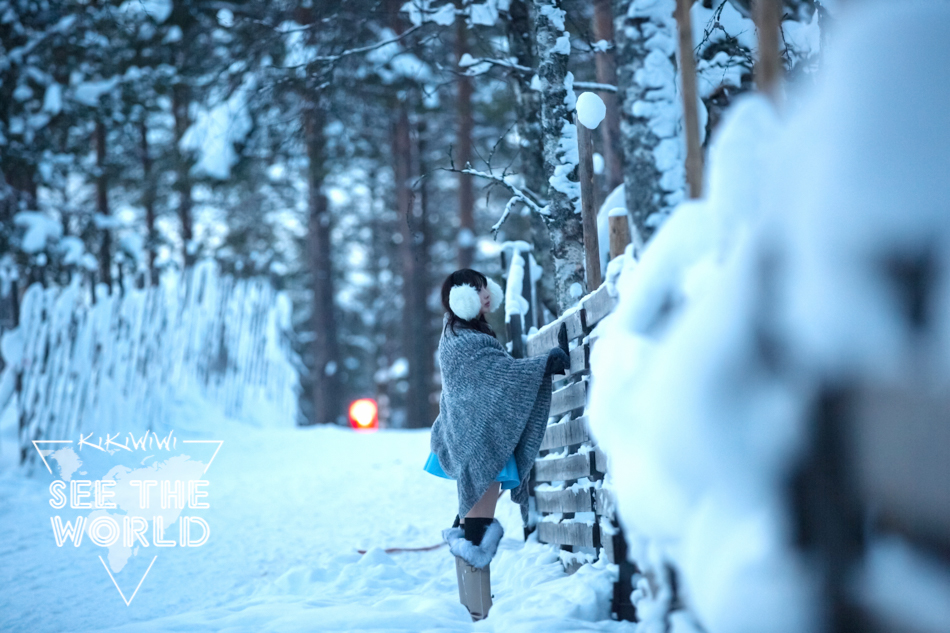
(508, 476)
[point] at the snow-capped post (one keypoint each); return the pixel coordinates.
(694, 149)
(590, 112)
(768, 17)
(558, 133)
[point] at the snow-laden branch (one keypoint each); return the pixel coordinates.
(468, 61)
(591, 85)
(371, 47)
(332, 59)
(523, 196)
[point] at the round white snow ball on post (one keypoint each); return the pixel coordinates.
(590, 110)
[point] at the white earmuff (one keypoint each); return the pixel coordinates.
(464, 301)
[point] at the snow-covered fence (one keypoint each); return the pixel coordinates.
(574, 509)
(114, 362)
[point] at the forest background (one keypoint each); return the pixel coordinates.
(325, 145)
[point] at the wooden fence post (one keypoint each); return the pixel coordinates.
(619, 231)
(767, 15)
(694, 150)
(585, 173)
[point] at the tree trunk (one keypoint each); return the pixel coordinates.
(180, 102)
(382, 338)
(606, 68)
(521, 45)
(654, 171)
(560, 163)
(148, 201)
(466, 238)
(102, 206)
(326, 384)
(413, 274)
(423, 350)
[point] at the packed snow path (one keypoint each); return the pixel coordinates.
(289, 509)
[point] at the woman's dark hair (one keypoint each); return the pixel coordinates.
(476, 280)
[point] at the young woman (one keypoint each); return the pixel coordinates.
(492, 415)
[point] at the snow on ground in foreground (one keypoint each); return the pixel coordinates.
(289, 508)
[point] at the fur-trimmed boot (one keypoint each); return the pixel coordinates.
(474, 545)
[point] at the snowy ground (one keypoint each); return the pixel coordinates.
(289, 509)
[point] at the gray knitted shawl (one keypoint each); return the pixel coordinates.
(492, 405)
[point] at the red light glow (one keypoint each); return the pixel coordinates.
(364, 414)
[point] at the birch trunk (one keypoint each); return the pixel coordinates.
(651, 113)
(559, 140)
(522, 47)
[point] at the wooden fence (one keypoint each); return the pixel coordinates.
(576, 511)
(111, 363)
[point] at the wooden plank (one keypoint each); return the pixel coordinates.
(619, 230)
(564, 500)
(573, 396)
(568, 532)
(580, 363)
(546, 338)
(596, 307)
(580, 358)
(566, 434)
(608, 549)
(563, 468)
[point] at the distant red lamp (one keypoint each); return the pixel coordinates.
(364, 415)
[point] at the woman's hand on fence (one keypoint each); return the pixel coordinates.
(558, 361)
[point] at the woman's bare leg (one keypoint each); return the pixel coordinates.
(486, 505)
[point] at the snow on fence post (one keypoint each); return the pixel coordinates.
(517, 307)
